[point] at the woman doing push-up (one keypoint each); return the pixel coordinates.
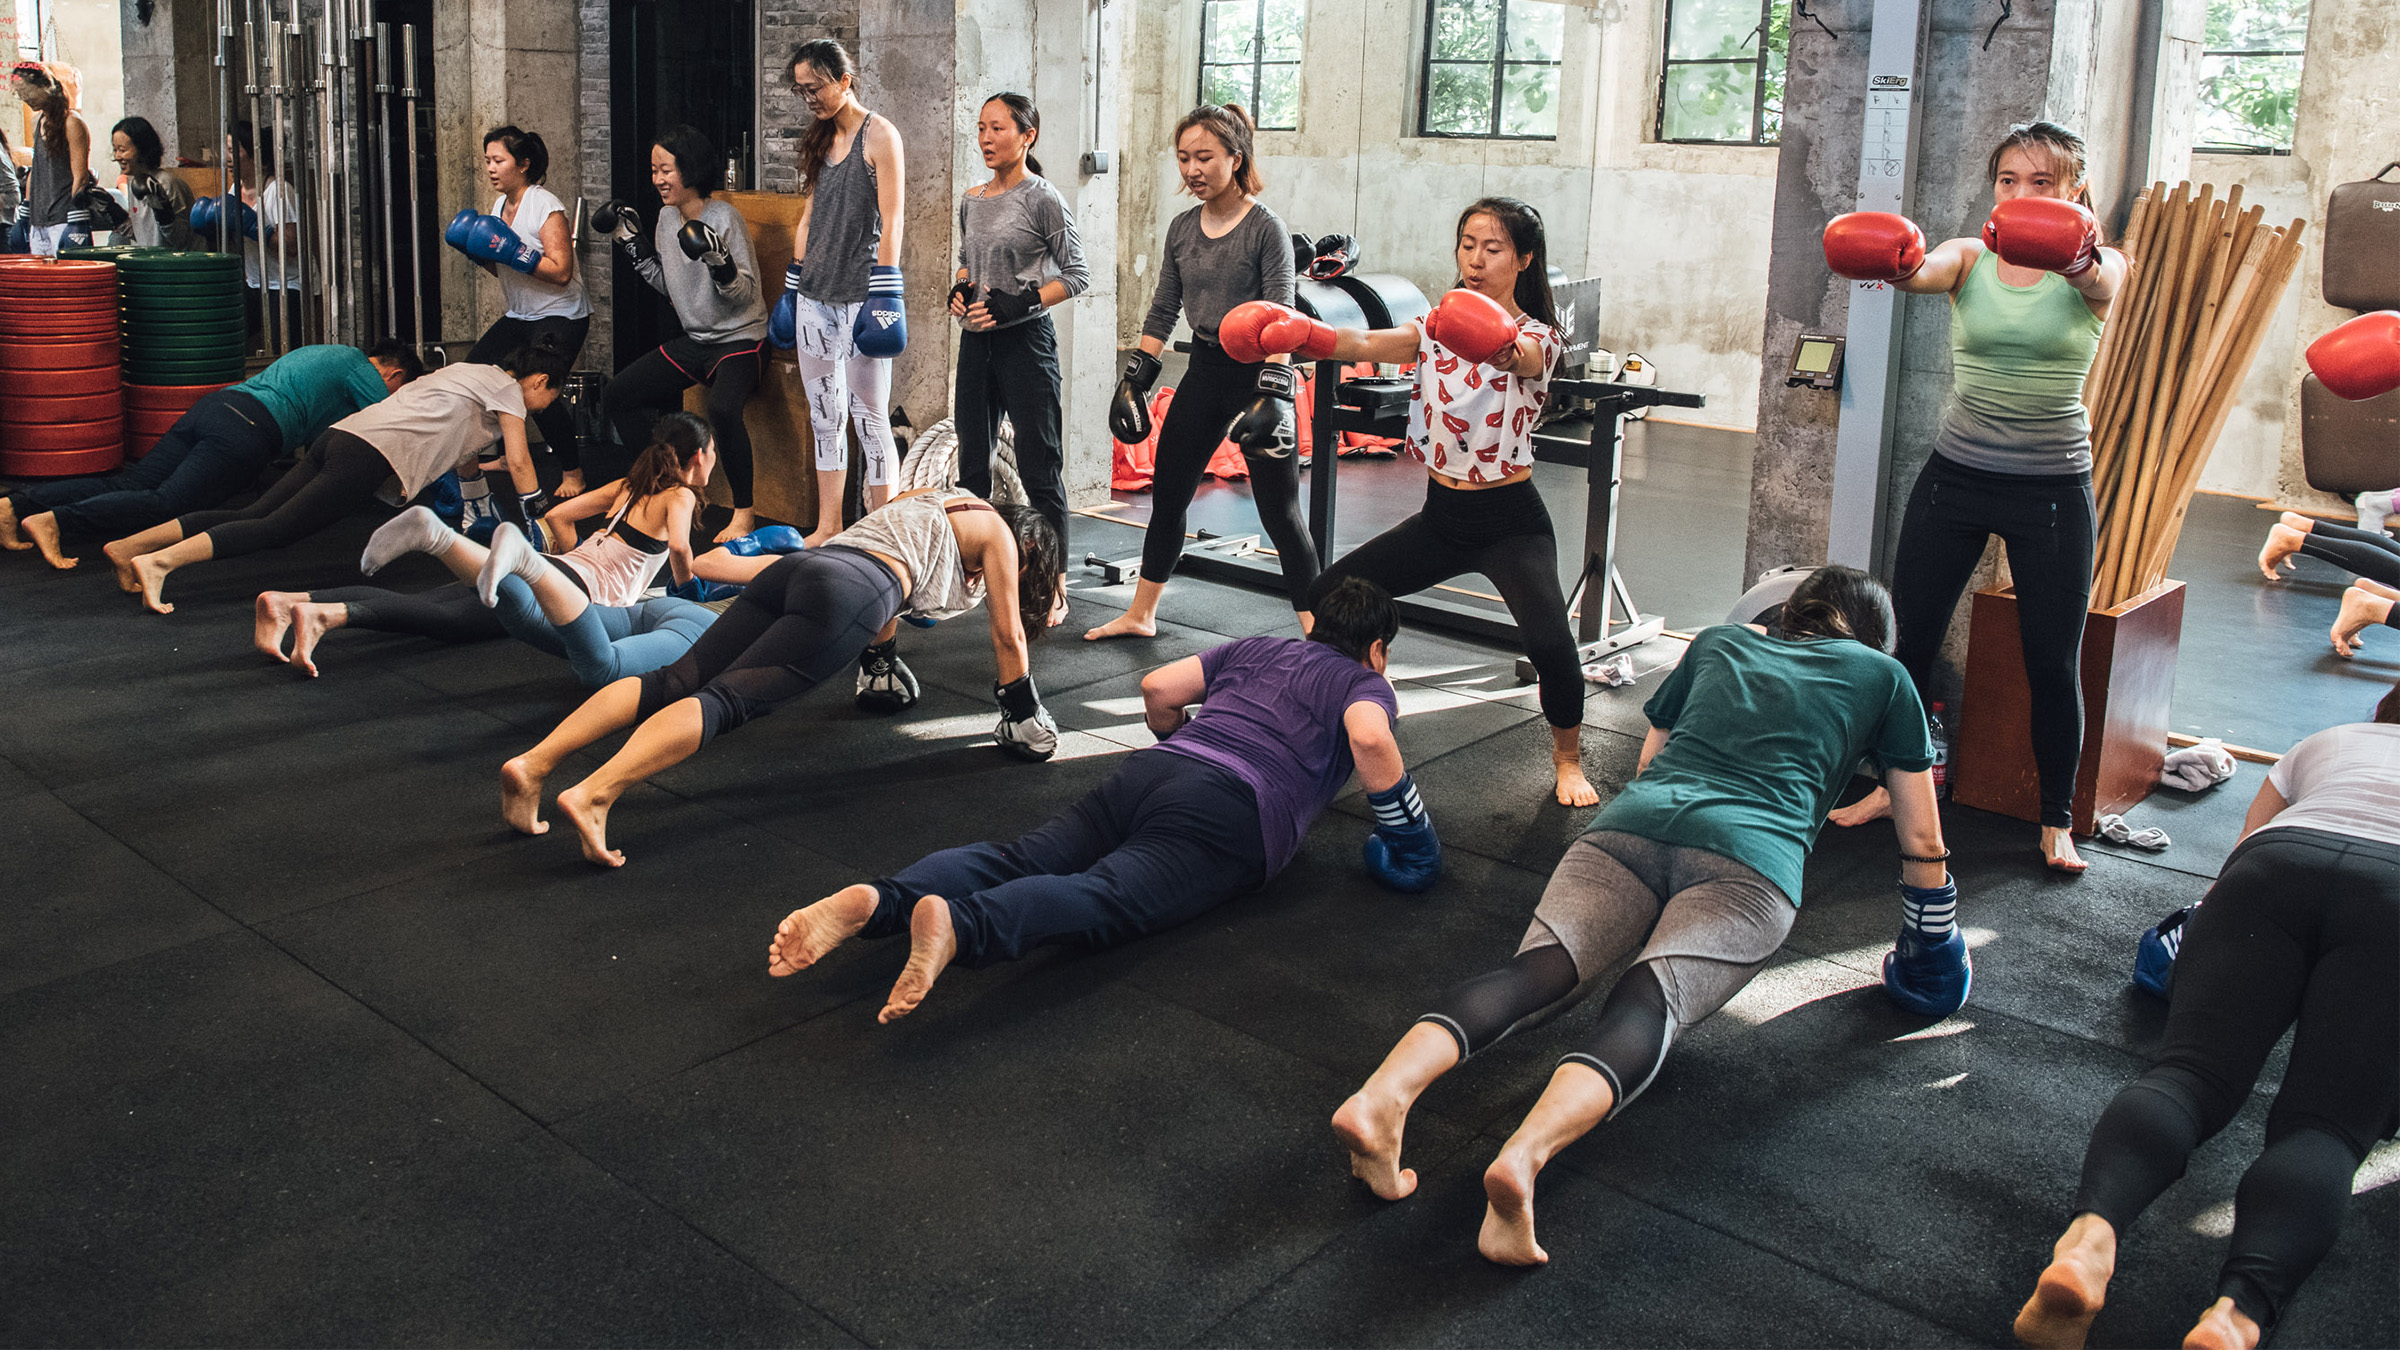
(1697, 863)
(800, 620)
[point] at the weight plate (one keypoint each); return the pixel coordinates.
(198, 312)
(195, 375)
(66, 354)
(145, 344)
(15, 384)
(67, 303)
(62, 463)
(141, 295)
(175, 398)
(63, 435)
(164, 261)
(53, 327)
(50, 410)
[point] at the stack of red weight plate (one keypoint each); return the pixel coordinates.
(150, 409)
(61, 408)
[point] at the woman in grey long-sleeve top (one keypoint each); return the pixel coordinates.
(699, 257)
(1018, 255)
(1227, 250)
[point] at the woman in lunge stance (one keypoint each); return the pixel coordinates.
(1212, 811)
(1697, 863)
(585, 605)
(2303, 925)
(1483, 358)
(802, 619)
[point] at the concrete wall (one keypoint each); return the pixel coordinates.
(496, 62)
(2249, 455)
(88, 35)
(170, 74)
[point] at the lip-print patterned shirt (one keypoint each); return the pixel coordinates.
(1473, 422)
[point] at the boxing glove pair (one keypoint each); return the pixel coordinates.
(488, 239)
(2048, 233)
(1403, 853)
(1469, 323)
(1026, 728)
(2361, 358)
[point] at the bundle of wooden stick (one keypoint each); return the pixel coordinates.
(2205, 282)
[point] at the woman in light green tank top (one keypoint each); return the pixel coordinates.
(2013, 456)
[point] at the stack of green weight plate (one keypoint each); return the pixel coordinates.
(183, 319)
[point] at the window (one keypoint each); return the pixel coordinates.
(2250, 75)
(1722, 80)
(1491, 69)
(1250, 54)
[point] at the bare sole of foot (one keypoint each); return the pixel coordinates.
(1124, 625)
(743, 522)
(1574, 789)
(591, 827)
(931, 944)
(310, 624)
(2282, 542)
(521, 798)
(128, 580)
(152, 576)
(43, 531)
(270, 619)
(2222, 1327)
(1875, 805)
(9, 538)
(2361, 609)
(1371, 1132)
(1058, 612)
(2058, 851)
(806, 935)
(2059, 1315)
(1507, 1236)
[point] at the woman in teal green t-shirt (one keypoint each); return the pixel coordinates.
(1697, 864)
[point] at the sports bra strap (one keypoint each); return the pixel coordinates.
(971, 504)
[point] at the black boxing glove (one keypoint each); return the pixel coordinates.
(702, 244)
(1337, 256)
(1006, 307)
(1129, 407)
(1265, 427)
(101, 205)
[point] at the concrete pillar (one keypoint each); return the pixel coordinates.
(171, 76)
(907, 55)
(496, 62)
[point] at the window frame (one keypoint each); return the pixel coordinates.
(1258, 62)
(1668, 62)
(1499, 63)
(2217, 148)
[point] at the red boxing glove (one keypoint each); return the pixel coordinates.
(2045, 232)
(1473, 325)
(1257, 329)
(2361, 358)
(1874, 246)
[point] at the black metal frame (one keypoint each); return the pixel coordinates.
(2212, 148)
(1499, 63)
(1668, 64)
(1258, 61)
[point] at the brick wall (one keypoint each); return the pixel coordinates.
(783, 25)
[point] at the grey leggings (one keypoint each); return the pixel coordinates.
(1705, 924)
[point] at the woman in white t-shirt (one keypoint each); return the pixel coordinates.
(1483, 358)
(546, 302)
(2302, 926)
(431, 426)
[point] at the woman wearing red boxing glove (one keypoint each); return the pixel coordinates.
(2013, 456)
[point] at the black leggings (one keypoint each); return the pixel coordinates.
(448, 613)
(653, 386)
(2047, 524)
(2370, 554)
(2303, 925)
(1504, 533)
(212, 452)
(505, 336)
(1214, 391)
(1013, 370)
(798, 624)
(337, 475)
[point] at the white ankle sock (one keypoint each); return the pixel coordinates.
(415, 530)
(511, 553)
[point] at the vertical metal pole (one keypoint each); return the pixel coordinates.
(349, 217)
(225, 184)
(305, 171)
(232, 222)
(416, 228)
(383, 123)
(275, 167)
(329, 222)
(1324, 449)
(1887, 164)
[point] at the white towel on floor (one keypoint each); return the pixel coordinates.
(2196, 768)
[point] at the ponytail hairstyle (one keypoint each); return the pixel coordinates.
(1028, 119)
(148, 150)
(1040, 562)
(2046, 140)
(832, 60)
(1841, 602)
(1234, 130)
(527, 148)
(542, 356)
(675, 441)
(697, 162)
(1525, 235)
(49, 103)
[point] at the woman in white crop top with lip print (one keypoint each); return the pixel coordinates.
(1484, 358)
(549, 299)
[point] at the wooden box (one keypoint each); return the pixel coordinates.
(2129, 656)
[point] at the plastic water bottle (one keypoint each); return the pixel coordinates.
(1939, 726)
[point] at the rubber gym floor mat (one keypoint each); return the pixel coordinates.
(558, 986)
(219, 1146)
(111, 906)
(1035, 1156)
(1498, 797)
(957, 653)
(2203, 826)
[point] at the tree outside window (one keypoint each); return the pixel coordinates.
(1250, 54)
(1492, 69)
(1722, 80)
(2250, 75)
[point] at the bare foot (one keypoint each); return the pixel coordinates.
(128, 580)
(1370, 1128)
(521, 797)
(570, 484)
(1874, 806)
(310, 624)
(2222, 1327)
(1573, 788)
(817, 538)
(744, 521)
(150, 572)
(590, 819)
(1058, 612)
(2071, 1290)
(9, 539)
(1124, 625)
(2282, 542)
(2058, 850)
(1507, 1235)
(2361, 609)
(806, 935)
(43, 531)
(270, 617)
(931, 944)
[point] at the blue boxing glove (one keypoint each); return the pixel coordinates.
(461, 229)
(881, 328)
(1403, 853)
(204, 217)
(765, 540)
(1927, 971)
(489, 239)
(783, 321)
(249, 221)
(704, 592)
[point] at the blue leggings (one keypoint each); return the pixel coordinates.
(605, 643)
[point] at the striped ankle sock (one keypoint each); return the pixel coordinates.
(1933, 913)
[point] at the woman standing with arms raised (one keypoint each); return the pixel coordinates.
(1227, 250)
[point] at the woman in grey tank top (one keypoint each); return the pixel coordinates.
(841, 305)
(62, 152)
